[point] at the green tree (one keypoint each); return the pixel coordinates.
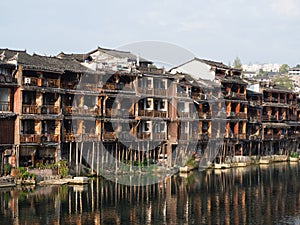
(284, 81)
(237, 64)
(297, 66)
(284, 68)
(262, 73)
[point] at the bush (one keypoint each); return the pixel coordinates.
(294, 155)
(63, 169)
(7, 168)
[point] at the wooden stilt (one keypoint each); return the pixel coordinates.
(98, 160)
(93, 157)
(70, 153)
(80, 159)
(76, 160)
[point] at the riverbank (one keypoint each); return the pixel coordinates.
(158, 172)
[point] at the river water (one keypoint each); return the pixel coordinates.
(253, 195)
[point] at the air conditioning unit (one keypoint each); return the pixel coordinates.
(27, 80)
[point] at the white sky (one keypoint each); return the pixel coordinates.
(256, 31)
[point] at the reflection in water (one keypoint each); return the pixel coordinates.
(253, 195)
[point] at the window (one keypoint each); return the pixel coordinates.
(160, 127)
(149, 104)
(147, 126)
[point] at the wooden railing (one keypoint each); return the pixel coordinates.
(146, 113)
(160, 114)
(144, 135)
(53, 83)
(69, 85)
(69, 137)
(183, 136)
(49, 138)
(90, 137)
(46, 109)
(4, 106)
(242, 115)
(242, 136)
(109, 135)
(31, 81)
(273, 136)
(182, 94)
(31, 109)
(183, 114)
(30, 138)
(70, 110)
(161, 92)
(145, 91)
(88, 86)
(203, 137)
(50, 109)
(158, 136)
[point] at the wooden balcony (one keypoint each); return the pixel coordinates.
(231, 114)
(88, 86)
(109, 136)
(182, 94)
(160, 92)
(52, 83)
(31, 109)
(146, 113)
(126, 136)
(30, 138)
(5, 106)
(69, 85)
(254, 119)
(183, 114)
(144, 135)
(90, 137)
(69, 137)
(145, 91)
(70, 110)
(293, 117)
(242, 115)
(269, 118)
(205, 115)
(49, 138)
(46, 109)
(159, 136)
(235, 95)
(123, 113)
(183, 136)
(50, 109)
(255, 103)
(242, 136)
(31, 81)
(273, 136)
(203, 137)
(160, 114)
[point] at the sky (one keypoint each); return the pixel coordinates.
(256, 31)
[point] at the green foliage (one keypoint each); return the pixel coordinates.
(7, 168)
(262, 73)
(284, 81)
(237, 64)
(24, 174)
(294, 155)
(284, 68)
(62, 167)
(297, 66)
(190, 163)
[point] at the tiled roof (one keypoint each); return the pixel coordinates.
(113, 52)
(43, 63)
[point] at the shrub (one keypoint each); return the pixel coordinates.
(294, 155)
(7, 168)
